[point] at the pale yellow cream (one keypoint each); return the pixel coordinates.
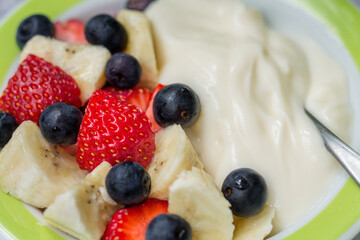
(253, 84)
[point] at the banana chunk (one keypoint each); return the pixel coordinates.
(84, 210)
(140, 45)
(174, 153)
(34, 170)
(84, 62)
(256, 227)
(195, 197)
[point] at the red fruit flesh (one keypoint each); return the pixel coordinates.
(113, 130)
(149, 111)
(138, 96)
(71, 31)
(131, 223)
(36, 85)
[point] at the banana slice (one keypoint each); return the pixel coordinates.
(174, 153)
(34, 170)
(84, 62)
(256, 227)
(140, 45)
(195, 197)
(84, 210)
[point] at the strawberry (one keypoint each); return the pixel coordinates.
(113, 130)
(36, 85)
(138, 96)
(149, 111)
(131, 223)
(71, 31)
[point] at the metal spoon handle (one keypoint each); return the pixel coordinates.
(346, 156)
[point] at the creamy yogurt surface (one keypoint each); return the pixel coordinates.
(253, 84)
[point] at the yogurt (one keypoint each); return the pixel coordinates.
(253, 84)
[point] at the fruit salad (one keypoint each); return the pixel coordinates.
(131, 127)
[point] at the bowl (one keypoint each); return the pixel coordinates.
(332, 24)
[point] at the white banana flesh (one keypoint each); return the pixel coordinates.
(256, 227)
(140, 45)
(84, 210)
(174, 153)
(84, 62)
(34, 170)
(195, 197)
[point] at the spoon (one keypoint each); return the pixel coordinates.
(346, 156)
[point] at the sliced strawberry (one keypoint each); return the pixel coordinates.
(36, 85)
(71, 31)
(149, 111)
(138, 96)
(113, 130)
(131, 223)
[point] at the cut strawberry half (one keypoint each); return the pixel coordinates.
(115, 131)
(36, 85)
(131, 223)
(149, 111)
(71, 31)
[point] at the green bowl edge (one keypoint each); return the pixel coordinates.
(331, 223)
(343, 19)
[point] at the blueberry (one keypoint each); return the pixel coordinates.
(246, 191)
(128, 183)
(105, 30)
(176, 104)
(168, 226)
(139, 5)
(8, 124)
(123, 71)
(60, 123)
(34, 25)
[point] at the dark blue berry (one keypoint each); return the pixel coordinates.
(128, 183)
(105, 30)
(138, 5)
(60, 123)
(176, 104)
(168, 226)
(246, 191)
(123, 71)
(8, 124)
(34, 25)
